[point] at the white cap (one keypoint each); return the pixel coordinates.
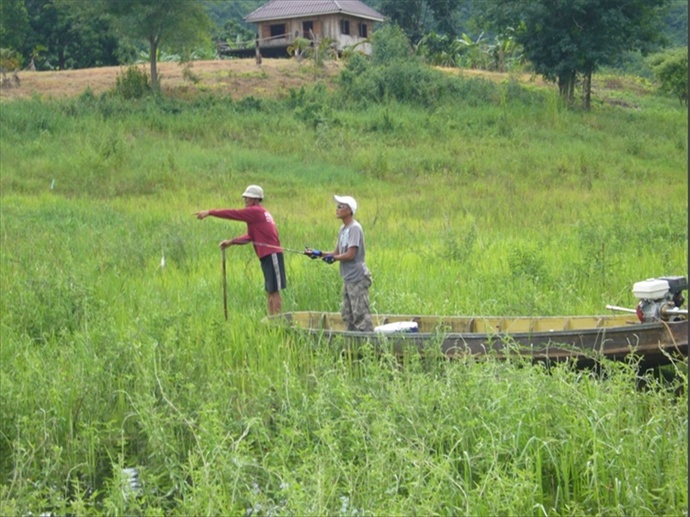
(254, 192)
(347, 200)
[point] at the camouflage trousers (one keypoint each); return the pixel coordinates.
(355, 306)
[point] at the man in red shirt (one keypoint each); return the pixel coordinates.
(263, 234)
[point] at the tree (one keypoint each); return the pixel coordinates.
(390, 44)
(14, 22)
(566, 39)
(227, 17)
(677, 23)
(671, 70)
(418, 17)
(175, 24)
(69, 35)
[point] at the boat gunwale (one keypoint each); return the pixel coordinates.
(656, 343)
(625, 326)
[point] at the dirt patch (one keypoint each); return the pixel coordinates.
(237, 77)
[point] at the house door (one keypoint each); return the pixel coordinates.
(307, 29)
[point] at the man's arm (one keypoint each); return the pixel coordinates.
(237, 241)
(241, 214)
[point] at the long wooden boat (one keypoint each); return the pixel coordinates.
(553, 338)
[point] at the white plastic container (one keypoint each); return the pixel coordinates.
(651, 289)
(398, 326)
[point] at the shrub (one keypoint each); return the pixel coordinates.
(411, 82)
(249, 103)
(356, 65)
(132, 83)
(671, 69)
(390, 44)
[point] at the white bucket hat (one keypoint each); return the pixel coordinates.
(347, 200)
(254, 192)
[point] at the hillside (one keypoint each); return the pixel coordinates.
(238, 78)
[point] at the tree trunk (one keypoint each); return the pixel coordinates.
(566, 86)
(61, 58)
(153, 52)
(587, 89)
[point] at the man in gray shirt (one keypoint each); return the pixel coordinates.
(350, 252)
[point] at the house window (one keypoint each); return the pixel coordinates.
(363, 32)
(345, 27)
(307, 29)
(277, 30)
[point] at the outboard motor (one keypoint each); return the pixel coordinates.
(661, 299)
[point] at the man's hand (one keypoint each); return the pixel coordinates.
(202, 214)
(329, 259)
(225, 244)
(313, 253)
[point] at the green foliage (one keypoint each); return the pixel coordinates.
(439, 50)
(14, 23)
(318, 51)
(591, 33)
(227, 18)
(312, 106)
(389, 45)
(411, 82)
(355, 66)
(72, 34)
(176, 25)
(418, 17)
(676, 23)
(132, 83)
(10, 62)
(671, 70)
(502, 55)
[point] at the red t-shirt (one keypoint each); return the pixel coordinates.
(261, 229)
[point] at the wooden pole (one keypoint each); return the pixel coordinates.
(257, 50)
(225, 289)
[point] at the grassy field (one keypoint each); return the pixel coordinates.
(490, 200)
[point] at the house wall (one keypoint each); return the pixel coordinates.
(323, 27)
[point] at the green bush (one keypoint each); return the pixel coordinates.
(411, 82)
(132, 83)
(671, 69)
(390, 44)
(356, 65)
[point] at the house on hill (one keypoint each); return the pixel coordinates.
(281, 22)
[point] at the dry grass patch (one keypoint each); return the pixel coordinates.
(238, 78)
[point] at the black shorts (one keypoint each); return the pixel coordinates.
(273, 267)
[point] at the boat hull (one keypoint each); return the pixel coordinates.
(584, 339)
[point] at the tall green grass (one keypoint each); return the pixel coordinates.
(493, 201)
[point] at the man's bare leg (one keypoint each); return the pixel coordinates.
(275, 303)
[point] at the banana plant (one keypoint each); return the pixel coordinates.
(474, 53)
(299, 48)
(505, 52)
(438, 50)
(349, 50)
(10, 62)
(320, 50)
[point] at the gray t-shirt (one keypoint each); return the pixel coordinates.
(348, 236)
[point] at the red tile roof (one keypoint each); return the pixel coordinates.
(282, 9)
